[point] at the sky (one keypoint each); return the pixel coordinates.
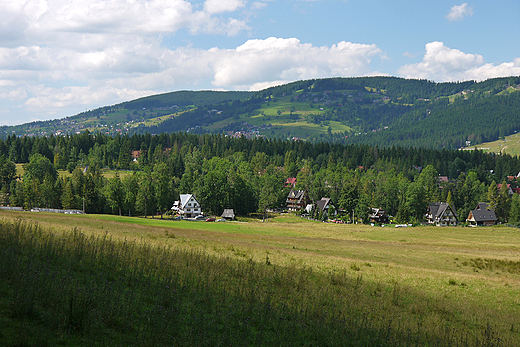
(62, 57)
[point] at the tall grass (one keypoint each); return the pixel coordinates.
(72, 289)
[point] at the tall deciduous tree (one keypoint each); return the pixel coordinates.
(164, 190)
(146, 197)
(115, 193)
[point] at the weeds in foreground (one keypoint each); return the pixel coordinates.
(72, 289)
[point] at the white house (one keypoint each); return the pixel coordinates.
(188, 206)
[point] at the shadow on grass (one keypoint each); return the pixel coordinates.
(72, 289)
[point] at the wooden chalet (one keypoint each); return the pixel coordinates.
(297, 200)
(441, 214)
(324, 205)
(228, 214)
(482, 215)
(378, 216)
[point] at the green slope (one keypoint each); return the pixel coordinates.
(381, 111)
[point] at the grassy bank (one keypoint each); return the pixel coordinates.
(105, 280)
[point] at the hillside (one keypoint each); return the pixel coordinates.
(506, 145)
(382, 111)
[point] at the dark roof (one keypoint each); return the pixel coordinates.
(436, 209)
(323, 203)
(483, 213)
(482, 206)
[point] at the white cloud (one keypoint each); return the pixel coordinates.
(56, 80)
(219, 6)
(277, 59)
(487, 71)
(441, 63)
(458, 12)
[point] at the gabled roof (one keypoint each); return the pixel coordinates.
(482, 206)
(483, 213)
(377, 212)
(297, 195)
(323, 203)
(183, 200)
(228, 213)
(437, 209)
(291, 181)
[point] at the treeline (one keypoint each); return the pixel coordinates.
(247, 175)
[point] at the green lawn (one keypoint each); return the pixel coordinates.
(509, 145)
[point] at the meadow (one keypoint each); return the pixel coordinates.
(107, 173)
(109, 280)
(508, 145)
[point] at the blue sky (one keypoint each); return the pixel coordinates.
(62, 57)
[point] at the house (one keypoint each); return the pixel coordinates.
(136, 155)
(324, 205)
(228, 214)
(291, 182)
(187, 206)
(378, 216)
(482, 215)
(297, 199)
(441, 214)
(509, 189)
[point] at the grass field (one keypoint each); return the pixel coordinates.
(509, 145)
(64, 173)
(428, 279)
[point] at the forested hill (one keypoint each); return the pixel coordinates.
(382, 111)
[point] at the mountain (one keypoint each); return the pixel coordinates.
(383, 111)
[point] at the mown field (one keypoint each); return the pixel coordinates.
(112, 280)
(509, 145)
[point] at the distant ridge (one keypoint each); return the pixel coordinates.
(383, 111)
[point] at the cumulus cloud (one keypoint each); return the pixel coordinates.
(127, 70)
(278, 59)
(458, 12)
(441, 63)
(44, 19)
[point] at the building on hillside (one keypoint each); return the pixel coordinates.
(228, 214)
(290, 182)
(297, 199)
(136, 155)
(378, 216)
(187, 206)
(509, 189)
(441, 214)
(324, 205)
(482, 215)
